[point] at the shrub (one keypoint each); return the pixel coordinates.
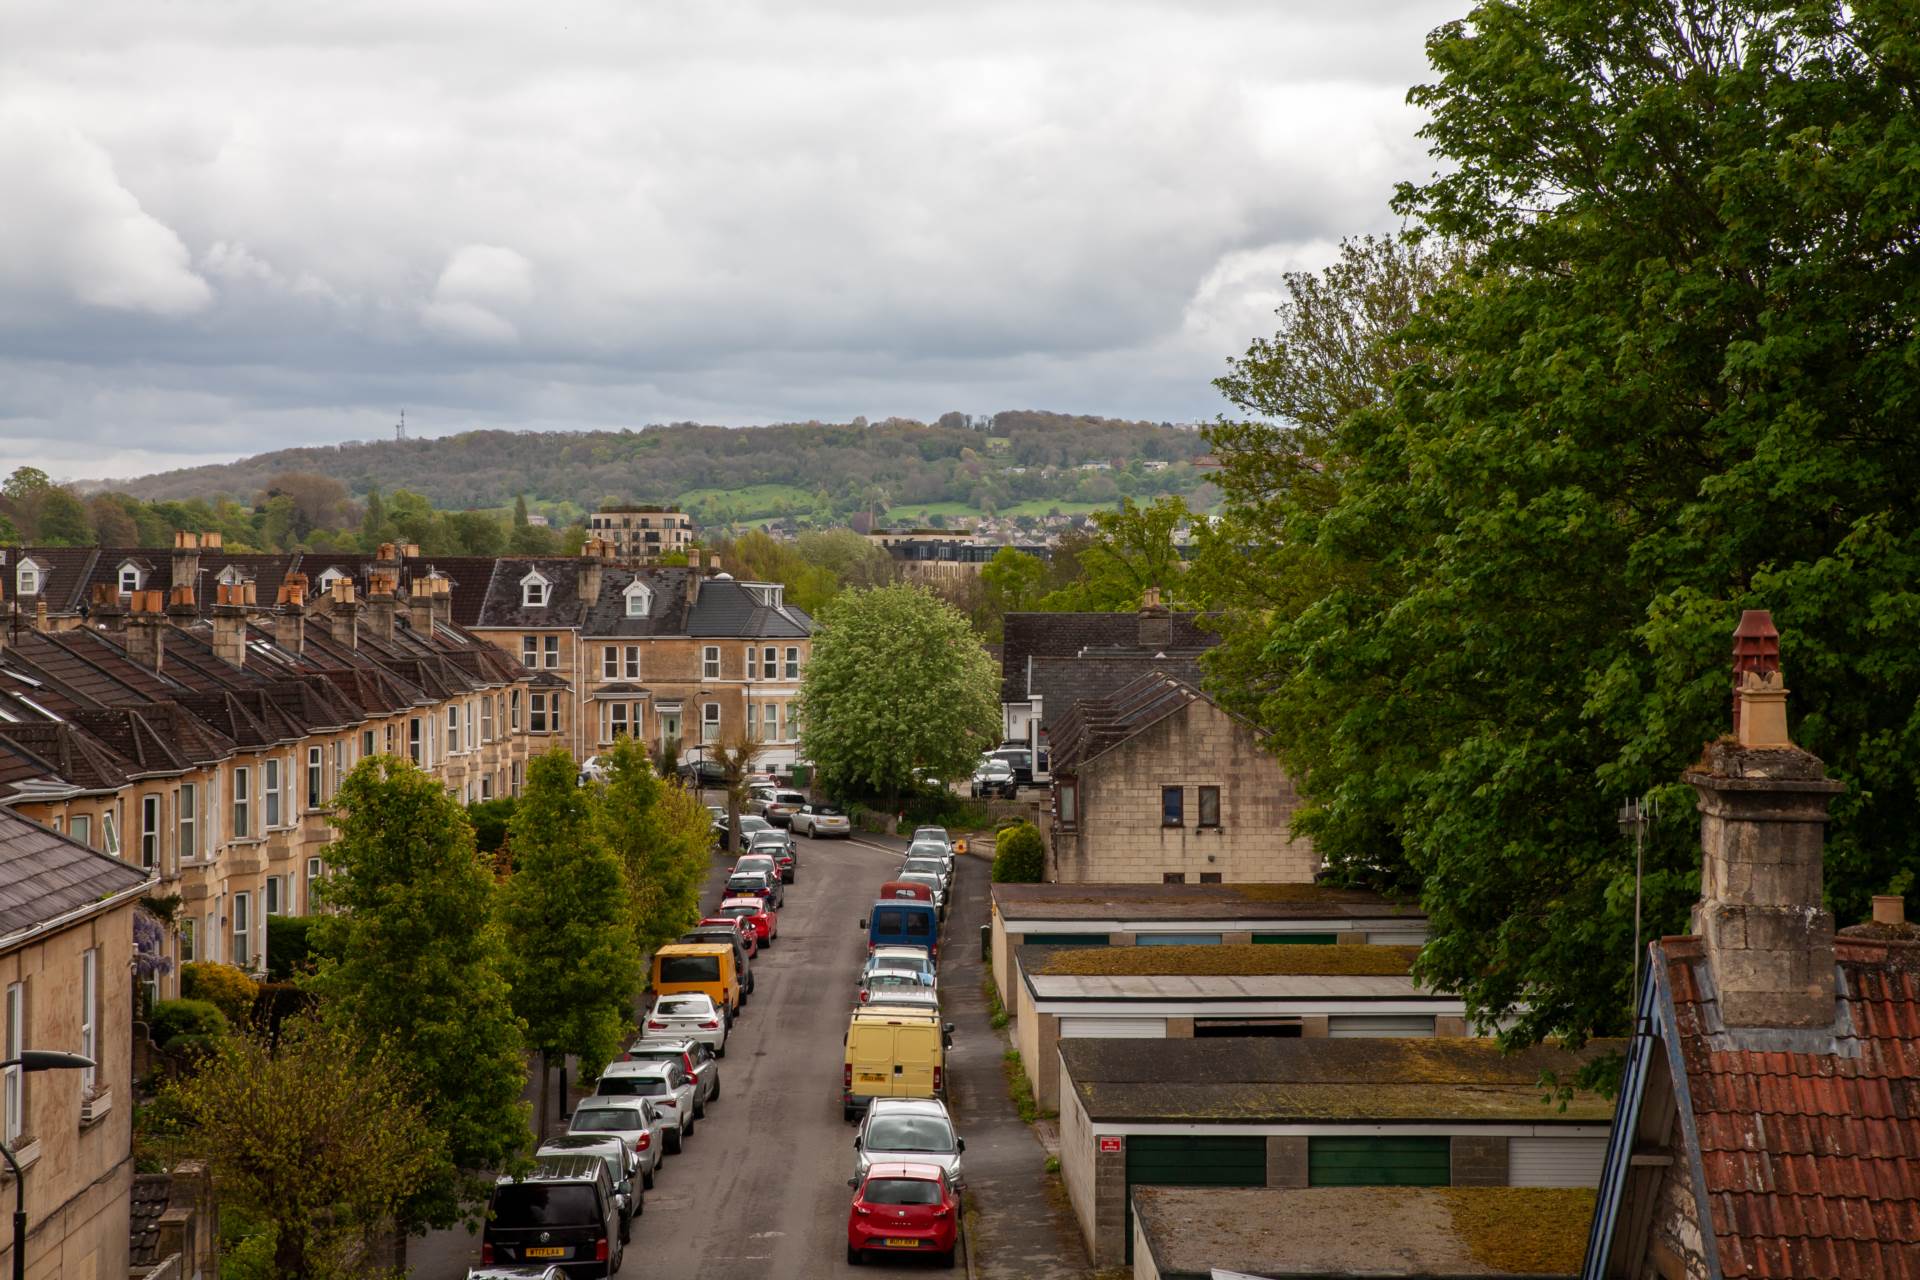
(172, 1019)
(490, 819)
(1019, 856)
(225, 986)
(289, 946)
(279, 1001)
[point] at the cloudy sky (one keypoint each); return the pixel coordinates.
(228, 228)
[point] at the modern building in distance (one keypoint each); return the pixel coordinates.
(641, 533)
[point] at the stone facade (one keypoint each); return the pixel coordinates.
(642, 533)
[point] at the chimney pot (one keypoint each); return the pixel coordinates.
(211, 541)
(1889, 908)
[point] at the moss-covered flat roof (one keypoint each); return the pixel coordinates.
(1280, 1081)
(1224, 960)
(1016, 902)
(1520, 1233)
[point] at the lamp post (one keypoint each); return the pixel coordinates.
(31, 1060)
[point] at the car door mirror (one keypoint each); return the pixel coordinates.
(853, 1182)
(959, 1144)
(863, 922)
(856, 1142)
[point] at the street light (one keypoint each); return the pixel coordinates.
(31, 1060)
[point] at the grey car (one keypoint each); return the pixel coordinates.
(934, 882)
(915, 1130)
(696, 1054)
(933, 866)
(635, 1121)
(665, 1083)
(621, 1168)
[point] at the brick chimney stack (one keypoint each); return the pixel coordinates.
(1763, 813)
(108, 613)
(1156, 624)
(230, 623)
(343, 613)
(290, 614)
(383, 601)
(147, 629)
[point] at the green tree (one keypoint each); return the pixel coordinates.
(1130, 550)
(476, 533)
(1013, 583)
(1675, 382)
(897, 682)
(520, 511)
(571, 961)
(411, 953)
(320, 1134)
(661, 834)
(1019, 855)
(61, 520)
(373, 524)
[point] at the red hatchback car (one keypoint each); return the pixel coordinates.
(756, 913)
(903, 1208)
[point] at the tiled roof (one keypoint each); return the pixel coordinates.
(727, 609)
(44, 875)
(75, 757)
(1062, 684)
(1065, 635)
(65, 572)
(148, 1201)
(1123, 902)
(666, 614)
(1811, 1160)
(503, 608)
(1096, 725)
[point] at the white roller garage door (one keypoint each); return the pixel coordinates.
(1357, 1026)
(1555, 1162)
(1113, 1028)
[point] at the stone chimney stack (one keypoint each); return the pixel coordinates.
(230, 623)
(147, 629)
(42, 616)
(181, 607)
(186, 558)
(1763, 813)
(290, 614)
(420, 605)
(343, 613)
(383, 601)
(594, 555)
(108, 613)
(1156, 624)
(442, 599)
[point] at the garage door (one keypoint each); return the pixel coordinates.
(1192, 1162)
(1113, 1028)
(1357, 1026)
(1555, 1162)
(1065, 940)
(1379, 1162)
(1298, 939)
(1176, 939)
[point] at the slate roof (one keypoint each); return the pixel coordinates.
(21, 771)
(1017, 903)
(44, 875)
(147, 1202)
(502, 606)
(1062, 684)
(1811, 1161)
(64, 577)
(1233, 1080)
(727, 609)
(666, 613)
(74, 757)
(1096, 725)
(1066, 635)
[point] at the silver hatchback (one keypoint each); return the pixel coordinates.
(917, 1130)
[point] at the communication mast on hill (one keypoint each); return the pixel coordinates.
(400, 428)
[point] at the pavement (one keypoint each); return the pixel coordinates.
(760, 1191)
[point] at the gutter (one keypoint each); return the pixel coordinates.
(14, 941)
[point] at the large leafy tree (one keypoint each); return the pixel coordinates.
(571, 961)
(411, 956)
(660, 833)
(319, 1133)
(1131, 550)
(1677, 381)
(898, 682)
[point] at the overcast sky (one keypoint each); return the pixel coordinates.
(228, 228)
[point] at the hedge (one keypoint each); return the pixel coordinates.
(172, 1019)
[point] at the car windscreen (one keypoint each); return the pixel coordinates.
(689, 968)
(608, 1120)
(889, 981)
(937, 852)
(537, 1204)
(633, 1087)
(902, 1191)
(924, 867)
(909, 1133)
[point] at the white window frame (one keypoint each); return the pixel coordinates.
(316, 779)
(770, 662)
(552, 650)
(276, 896)
(26, 581)
(639, 601)
(610, 662)
(486, 718)
(536, 712)
(315, 870)
(772, 717)
(616, 722)
(530, 651)
(710, 662)
(631, 670)
(13, 1110)
(242, 948)
(150, 830)
(242, 803)
(753, 663)
(272, 784)
(453, 728)
(187, 948)
(416, 746)
(80, 827)
(89, 1015)
(129, 579)
(186, 821)
(535, 591)
(709, 722)
(793, 662)
(514, 707)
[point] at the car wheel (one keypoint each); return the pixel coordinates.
(626, 1228)
(715, 1096)
(674, 1142)
(699, 1110)
(846, 1112)
(646, 1181)
(693, 1121)
(946, 1259)
(854, 1256)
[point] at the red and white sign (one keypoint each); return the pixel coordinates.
(1109, 1145)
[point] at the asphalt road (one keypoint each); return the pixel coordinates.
(760, 1190)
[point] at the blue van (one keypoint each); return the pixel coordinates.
(903, 922)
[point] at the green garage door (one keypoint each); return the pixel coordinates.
(1064, 940)
(1192, 1162)
(1378, 1162)
(1298, 939)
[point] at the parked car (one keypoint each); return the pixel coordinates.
(687, 1016)
(1017, 758)
(900, 922)
(515, 1273)
(893, 1051)
(764, 864)
(635, 1121)
(819, 820)
(779, 846)
(917, 1129)
(994, 777)
(749, 944)
(938, 849)
(932, 835)
(561, 1214)
(696, 1057)
(931, 866)
(779, 807)
(703, 773)
(753, 911)
(752, 884)
(914, 959)
(901, 1207)
(622, 1168)
(703, 968)
(665, 1082)
(749, 825)
(934, 881)
(881, 985)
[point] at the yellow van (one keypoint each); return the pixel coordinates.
(705, 967)
(893, 1052)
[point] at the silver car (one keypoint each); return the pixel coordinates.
(817, 820)
(694, 1053)
(933, 835)
(687, 1015)
(882, 986)
(516, 1273)
(914, 959)
(621, 1166)
(916, 1130)
(935, 883)
(635, 1121)
(666, 1083)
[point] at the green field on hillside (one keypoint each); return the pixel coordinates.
(752, 502)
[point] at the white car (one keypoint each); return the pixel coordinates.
(911, 959)
(888, 986)
(666, 1084)
(691, 1055)
(635, 1121)
(917, 1130)
(687, 1015)
(818, 820)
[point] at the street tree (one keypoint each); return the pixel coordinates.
(1130, 550)
(318, 1133)
(411, 955)
(1012, 582)
(661, 834)
(571, 962)
(735, 755)
(898, 682)
(1674, 382)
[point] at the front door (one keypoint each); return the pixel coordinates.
(669, 728)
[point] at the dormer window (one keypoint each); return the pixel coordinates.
(328, 578)
(768, 594)
(26, 581)
(231, 575)
(130, 577)
(534, 590)
(639, 600)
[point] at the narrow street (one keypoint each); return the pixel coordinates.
(760, 1192)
